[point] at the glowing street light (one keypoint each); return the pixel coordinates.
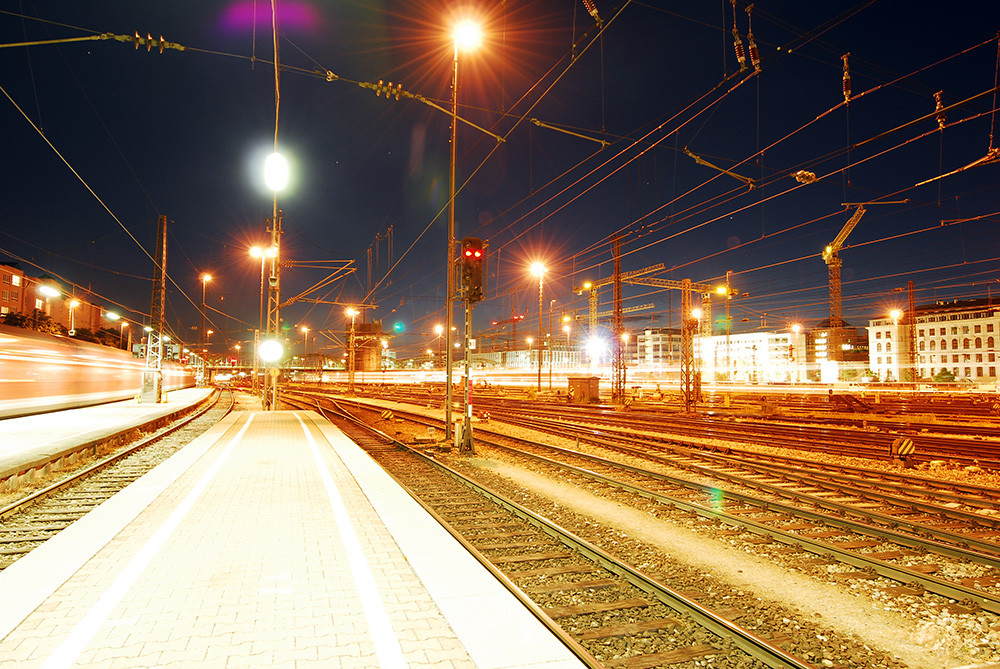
(539, 270)
(73, 304)
(895, 315)
(352, 312)
(276, 172)
(466, 35)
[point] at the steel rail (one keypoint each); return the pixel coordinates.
(207, 405)
(901, 574)
(989, 557)
(741, 638)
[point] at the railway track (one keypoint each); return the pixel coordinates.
(608, 606)
(851, 442)
(922, 546)
(39, 515)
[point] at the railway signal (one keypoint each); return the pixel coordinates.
(473, 256)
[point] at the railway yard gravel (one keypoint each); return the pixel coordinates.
(847, 622)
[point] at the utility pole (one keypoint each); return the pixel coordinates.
(911, 321)
(152, 375)
(617, 328)
(269, 398)
(688, 325)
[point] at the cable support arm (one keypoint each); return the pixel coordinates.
(701, 161)
(542, 124)
(396, 91)
(148, 41)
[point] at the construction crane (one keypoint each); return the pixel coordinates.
(831, 256)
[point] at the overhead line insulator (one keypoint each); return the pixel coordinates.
(938, 106)
(847, 79)
(741, 55)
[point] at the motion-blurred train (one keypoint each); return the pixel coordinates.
(40, 372)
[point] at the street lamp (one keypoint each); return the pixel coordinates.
(539, 270)
(529, 340)
(352, 312)
(205, 278)
(73, 304)
(121, 336)
(566, 330)
(466, 35)
(439, 329)
(796, 328)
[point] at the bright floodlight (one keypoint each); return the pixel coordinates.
(538, 268)
(276, 172)
(111, 316)
(895, 314)
(270, 350)
(48, 290)
(468, 36)
(256, 251)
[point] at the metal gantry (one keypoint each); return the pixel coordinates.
(152, 375)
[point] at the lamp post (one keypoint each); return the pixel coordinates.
(263, 254)
(550, 341)
(624, 358)
(352, 312)
(539, 270)
(466, 35)
(385, 346)
(439, 329)
(566, 330)
(73, 304)
(529, 340)
(121, 336)
(796, 328)
(205, 278)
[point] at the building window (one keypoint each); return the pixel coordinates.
(888, 359)
(978, 329)
(954, 344)
(933, 345)
(979, 342)
(989, 327)
(954, 358)
(989, 342)
(944, 344)
(965, 329)
(4, 310)
(15, 296)
(922, 345)
(965, 343)
(38, 304)
(888, 346)
(992, 357)
(920, 333)
(6, 279)
(16, 280)
(878, 347)
(878, 335)
(979, 371)
(6, 295)
(979, 357)
(931, 332)
(968, 371)
(878, 360)
(993, 371)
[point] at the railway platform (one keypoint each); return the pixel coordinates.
(271, 540)
(39, 438)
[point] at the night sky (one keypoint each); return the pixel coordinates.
(183, 134)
